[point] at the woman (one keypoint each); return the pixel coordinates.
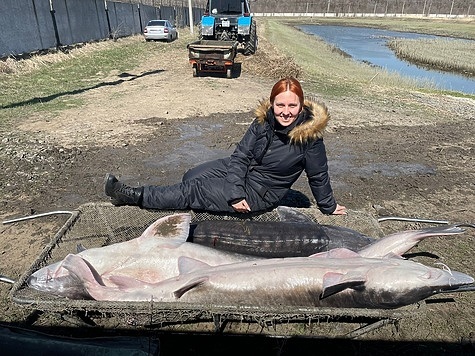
(284, 140)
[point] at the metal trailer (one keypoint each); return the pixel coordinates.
(212, 56)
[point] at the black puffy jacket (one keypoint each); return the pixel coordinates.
(270, 158)
(264, 165)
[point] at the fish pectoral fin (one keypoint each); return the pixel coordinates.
(188, 264)
(81, 269)
(334, 282)
(189, 286)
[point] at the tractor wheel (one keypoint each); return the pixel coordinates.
(224, 36)
(200, 34)
(251, 45)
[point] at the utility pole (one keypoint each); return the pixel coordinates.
(190, 13)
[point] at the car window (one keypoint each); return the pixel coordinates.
(156, 23)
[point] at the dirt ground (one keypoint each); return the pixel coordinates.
(152, 124)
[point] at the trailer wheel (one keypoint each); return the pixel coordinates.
(229, 72)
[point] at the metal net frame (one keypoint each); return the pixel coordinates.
(101, 224)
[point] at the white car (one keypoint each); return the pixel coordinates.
(160, 30)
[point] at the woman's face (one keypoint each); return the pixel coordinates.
(286, 107)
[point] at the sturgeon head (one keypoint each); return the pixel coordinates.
(397, 283)
(54, 279)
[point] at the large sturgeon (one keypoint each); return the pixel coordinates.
(272, 239)
(152, 257)
(295, 235)
(303, 237)
(344, 280)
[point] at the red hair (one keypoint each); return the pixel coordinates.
(284, 85)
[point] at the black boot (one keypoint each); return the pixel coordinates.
(120, 193)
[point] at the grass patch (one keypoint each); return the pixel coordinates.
(458, 28)
(447, 55)
(48, 83)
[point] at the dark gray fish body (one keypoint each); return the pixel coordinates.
(342, 237)
(275, 239)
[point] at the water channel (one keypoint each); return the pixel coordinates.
(369, 45)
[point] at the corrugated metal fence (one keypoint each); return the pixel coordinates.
(31, 25)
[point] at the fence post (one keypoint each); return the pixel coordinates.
(108, 19)
(140, 18)
(55, 26)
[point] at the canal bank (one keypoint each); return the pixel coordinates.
(369, 45)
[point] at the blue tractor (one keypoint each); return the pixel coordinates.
(230, 20)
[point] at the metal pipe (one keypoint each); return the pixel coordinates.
(385, 218)
(37, 216)
(190, 16)
(369, 327)
(6, 279)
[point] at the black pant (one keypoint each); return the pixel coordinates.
(203, 188)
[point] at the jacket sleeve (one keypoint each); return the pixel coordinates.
(316, 167)
(239, 164)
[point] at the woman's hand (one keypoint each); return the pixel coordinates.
(242, 206)
(340, 210)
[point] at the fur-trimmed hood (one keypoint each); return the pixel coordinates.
(311, 129)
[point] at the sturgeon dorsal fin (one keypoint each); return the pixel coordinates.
(189, 286)
(80, 248)
(188, 264)
(286, 213)
(174, 226)
(334, 282)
